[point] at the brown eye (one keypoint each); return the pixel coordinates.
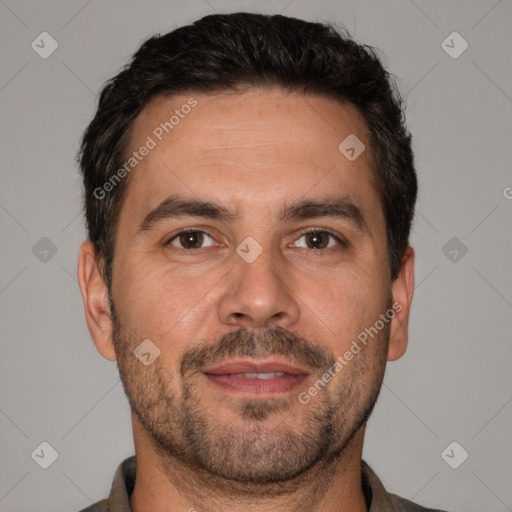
(190, 239)
(317, 240)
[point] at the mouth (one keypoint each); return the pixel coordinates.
(263, 379)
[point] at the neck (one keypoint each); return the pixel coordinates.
(164, 483)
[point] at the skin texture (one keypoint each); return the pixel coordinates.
(198, 444)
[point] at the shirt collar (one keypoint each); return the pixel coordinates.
(122, 486)
(124, 482)
(378, 499)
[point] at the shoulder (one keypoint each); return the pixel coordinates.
(101, 506)
(403, 505)
(122, 487)
(383, 501)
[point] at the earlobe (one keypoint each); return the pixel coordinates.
(402, 294)
(95, 297)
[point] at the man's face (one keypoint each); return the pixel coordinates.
(226, 317)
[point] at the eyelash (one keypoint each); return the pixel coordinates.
(188, 230)
(341, 241)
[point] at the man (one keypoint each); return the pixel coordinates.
(249, 192)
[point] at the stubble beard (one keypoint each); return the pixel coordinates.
(272, 441)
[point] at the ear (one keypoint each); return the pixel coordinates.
(95, 296)
(402, 290)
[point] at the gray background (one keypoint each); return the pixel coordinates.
(454, 384)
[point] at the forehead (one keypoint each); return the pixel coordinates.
(258, 148)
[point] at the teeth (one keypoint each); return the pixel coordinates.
(269, 375)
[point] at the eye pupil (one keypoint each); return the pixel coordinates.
(314, 239)
(192, 240)
(317, 240)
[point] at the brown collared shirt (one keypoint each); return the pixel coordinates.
(377, 498)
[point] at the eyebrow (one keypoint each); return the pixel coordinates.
(339, 207)
(175, 207)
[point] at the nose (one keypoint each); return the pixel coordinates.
(259, 294)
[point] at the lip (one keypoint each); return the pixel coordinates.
(228, 376)
(255, 366)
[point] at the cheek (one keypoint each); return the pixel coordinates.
(344, 304)
(161, 302)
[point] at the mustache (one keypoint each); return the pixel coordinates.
(243, 343)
